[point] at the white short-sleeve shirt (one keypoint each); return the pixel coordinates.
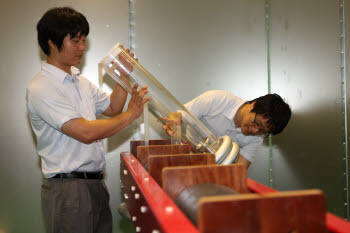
(53, 98)
(216, 109)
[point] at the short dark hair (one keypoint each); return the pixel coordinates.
(57, 23)
(275, 109)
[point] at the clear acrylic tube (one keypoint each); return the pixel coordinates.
(126, 70)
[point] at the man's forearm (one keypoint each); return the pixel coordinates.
(90, 131)
(118, 98)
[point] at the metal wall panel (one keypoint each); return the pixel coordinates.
(305, 70)
(347, 85)
(203, 44)
(195, 46)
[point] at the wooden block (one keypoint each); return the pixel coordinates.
(135, 143)
(176, 179)
(143, 152)
(157, 162)
(285, 212)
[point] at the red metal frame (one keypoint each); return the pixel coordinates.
(334, 223)
(168, 216)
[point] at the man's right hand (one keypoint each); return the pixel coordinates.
(138, 99)
(173, 120)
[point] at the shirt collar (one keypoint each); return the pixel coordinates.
(59, 74)
(75, 72)
(231, 113)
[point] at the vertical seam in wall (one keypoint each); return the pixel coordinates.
(344, 103)
(268, 69)
(135, 124)
(132, 25)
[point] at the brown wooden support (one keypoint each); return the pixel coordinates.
(156, 163)
(135, 143)
(285, 212)
(143, 152)
(177, 179)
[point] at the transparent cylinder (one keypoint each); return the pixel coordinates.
(126, 70)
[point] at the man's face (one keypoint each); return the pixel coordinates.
(254, 124)
(72, 50)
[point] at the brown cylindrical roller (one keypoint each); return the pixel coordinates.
(188, 199)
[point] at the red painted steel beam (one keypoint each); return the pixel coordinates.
(167, 215)
(256, 187)
(334, 223)
(170, 218)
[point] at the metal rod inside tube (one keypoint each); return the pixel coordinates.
(176, 138)
(146, 123)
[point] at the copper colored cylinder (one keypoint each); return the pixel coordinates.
(188, 199)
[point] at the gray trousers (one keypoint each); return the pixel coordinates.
(76, 206)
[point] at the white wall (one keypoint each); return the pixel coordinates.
(20, 174)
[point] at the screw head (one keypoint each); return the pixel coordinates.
(143, 209)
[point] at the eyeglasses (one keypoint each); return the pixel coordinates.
(260, 127)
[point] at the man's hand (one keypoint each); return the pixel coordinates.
(173, 120)
(126, 65)
(119, 95)
(138, 99)
(244, 161)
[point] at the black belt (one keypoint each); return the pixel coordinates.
(80, 175)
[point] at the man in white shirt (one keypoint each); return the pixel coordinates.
(62, 107)
(246, 122)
